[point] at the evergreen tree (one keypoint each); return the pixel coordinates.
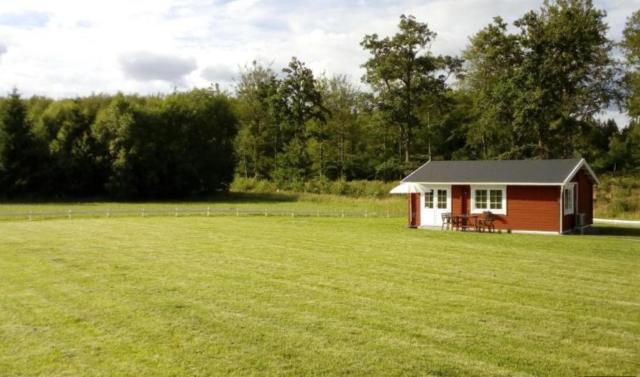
(19, 152)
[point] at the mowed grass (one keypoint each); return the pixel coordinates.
(254, 296)
(395, 205)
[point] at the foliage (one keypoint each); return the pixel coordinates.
(618, 197)
(320, 185)
(630, 45)
(177, 145)
(20, 154)
(258, 141)
(181, 145)
(537, 89)
(406, 77)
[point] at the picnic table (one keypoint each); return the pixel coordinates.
(465, 221)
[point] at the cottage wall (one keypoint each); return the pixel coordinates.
(530, 208)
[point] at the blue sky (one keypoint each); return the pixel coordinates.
(64, 48)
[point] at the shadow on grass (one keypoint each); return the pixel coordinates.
(607, 230)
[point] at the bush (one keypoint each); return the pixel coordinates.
(323, 185)
(618, 197)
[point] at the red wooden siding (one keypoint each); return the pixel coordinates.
(534, 208)
(585, 195)
(583, 201)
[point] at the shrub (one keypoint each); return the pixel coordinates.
(320, 185)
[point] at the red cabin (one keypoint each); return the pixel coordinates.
(536, 196)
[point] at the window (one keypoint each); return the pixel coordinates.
(495, 199)
(568, 200)
(481, 199)
(442, 199)
(489, 198)
(428, 199)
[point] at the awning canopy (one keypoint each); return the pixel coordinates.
(407, 188)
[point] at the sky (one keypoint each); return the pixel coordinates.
(68, 48)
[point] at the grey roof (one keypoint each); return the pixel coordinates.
(495, 171)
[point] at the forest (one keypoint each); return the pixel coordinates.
(536, 88)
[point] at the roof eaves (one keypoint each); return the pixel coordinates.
(575, 170)
(415, 171)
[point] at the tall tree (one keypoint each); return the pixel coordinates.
(20, 155)
(343, 132)
(404, 74)
(492, 59)
(631, 47)
(257, 143)
(543, 84)
(299, 101)
(73, 168)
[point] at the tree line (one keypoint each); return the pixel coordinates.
(534, 89)
(120, 146)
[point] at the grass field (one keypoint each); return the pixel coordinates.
(246, 296)
(394, 205)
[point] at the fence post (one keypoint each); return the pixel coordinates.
(343, 213)
(366, 213)
(266, 213)
(208, 211)
(176, 211)
(69, 213)
(387, 214)
(29, 215)
(108, 212)
(293, 214)
(237, 212)
(318, 213)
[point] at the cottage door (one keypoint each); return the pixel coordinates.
(436, 201)
(414, 210)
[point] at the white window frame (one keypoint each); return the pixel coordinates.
(568, 206)
(502, 211)
(446, 198)
(424, 198)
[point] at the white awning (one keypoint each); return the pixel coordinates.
(407, 188)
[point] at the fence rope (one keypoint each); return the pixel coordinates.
(205, 211)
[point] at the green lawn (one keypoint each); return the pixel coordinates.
(232, 203)
(244, 296)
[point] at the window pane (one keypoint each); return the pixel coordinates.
(481, 199)
(442, 198)
(495, 199)
(428, 199)
(568, 199)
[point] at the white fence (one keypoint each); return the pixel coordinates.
(182, 212)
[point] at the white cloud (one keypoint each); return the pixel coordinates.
(69, 47)
(219, 74)
(147, 66)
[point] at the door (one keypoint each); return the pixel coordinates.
(414, 210)
(436, 200)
